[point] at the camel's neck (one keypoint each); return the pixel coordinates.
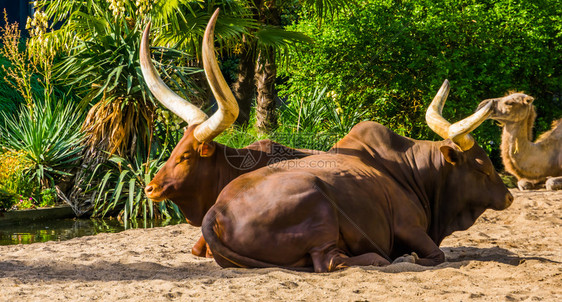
(517, 147)
(516, 136)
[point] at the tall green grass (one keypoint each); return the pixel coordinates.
(306, 120)
(121, 189)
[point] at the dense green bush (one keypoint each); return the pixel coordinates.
(48, 197)
(7, 200)
(15, 186)
(309, 121)
(392, 56)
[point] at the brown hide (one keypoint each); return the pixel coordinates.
(193, 180)
(373, 197)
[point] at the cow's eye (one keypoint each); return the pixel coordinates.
(185, 156)
(484, 172)
(480, 167)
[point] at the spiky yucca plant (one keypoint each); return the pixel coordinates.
(49, 134)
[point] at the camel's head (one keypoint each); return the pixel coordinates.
(514, 107)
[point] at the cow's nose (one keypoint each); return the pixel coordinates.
(148, 190)
(508, 199)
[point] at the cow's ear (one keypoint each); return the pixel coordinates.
(207, 149)
(451, 155)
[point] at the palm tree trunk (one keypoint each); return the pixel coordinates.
(266, 72)
(243, 87)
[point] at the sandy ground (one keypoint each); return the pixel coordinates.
(513, 255)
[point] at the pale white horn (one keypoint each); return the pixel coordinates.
(227, 106)
(459, 131)
(178, 105)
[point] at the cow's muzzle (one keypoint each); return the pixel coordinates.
(508, 200)
(153, 192)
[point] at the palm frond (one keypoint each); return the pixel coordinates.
(271, 38)
(183, 31)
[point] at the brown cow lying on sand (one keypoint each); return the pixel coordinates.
(198, 168)
(383, 195)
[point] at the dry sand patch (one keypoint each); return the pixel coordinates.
(512, 255)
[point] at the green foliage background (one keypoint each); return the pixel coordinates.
(392, 56)
(375, 60)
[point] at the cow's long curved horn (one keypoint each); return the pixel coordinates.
(433, 115)
(459, 131)
(182, 108)
(228, 107)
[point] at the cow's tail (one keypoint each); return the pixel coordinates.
(226, 257)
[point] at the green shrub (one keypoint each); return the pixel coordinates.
(14, 182)
(308, 120)
(290, 132)
(7, 200)
(315, 120)
(25, 203)
(48, 197)
(392, 56)
(240, 136)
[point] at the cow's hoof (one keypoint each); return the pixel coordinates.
(554, 183)
(524, 184)
(411, 258)
(200, 250)
(209, 253)
(198, 253)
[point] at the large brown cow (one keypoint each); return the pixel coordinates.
(374, 197)
(198, 168)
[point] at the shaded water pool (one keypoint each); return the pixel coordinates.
(64, 229)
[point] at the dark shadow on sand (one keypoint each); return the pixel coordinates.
(457, 257)
(497, 254)
(103, 270)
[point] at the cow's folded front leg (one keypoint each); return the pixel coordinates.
(426, 251)
(329, 258)
(200, 248)
(364, 260)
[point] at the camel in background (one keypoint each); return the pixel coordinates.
(533, 163)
